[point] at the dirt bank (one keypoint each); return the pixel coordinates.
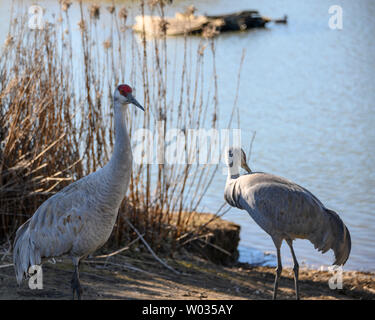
(142, 277)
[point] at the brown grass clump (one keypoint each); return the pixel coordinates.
(39, 151)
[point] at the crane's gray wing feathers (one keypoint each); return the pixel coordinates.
(286, 210)
(53, 228)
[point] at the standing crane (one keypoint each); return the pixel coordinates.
(285, 211)
(79, 219)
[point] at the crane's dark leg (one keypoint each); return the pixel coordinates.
(279, 267)
(76, 286)
(295, 268)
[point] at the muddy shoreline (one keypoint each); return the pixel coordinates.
(142, 277)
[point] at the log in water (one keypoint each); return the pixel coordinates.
(188, 23)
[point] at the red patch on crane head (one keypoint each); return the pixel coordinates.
(124, 89)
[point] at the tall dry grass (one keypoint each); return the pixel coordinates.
(56, 119)
(39, 150)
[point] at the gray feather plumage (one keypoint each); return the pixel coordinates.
(79, 219)
(286, 210)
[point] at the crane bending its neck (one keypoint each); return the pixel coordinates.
(236, 158)
(233, 163)
(233, 171)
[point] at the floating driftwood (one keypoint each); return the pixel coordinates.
(188, 23)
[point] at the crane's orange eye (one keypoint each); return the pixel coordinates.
(124, 89)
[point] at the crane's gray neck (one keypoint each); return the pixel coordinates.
(121, 159)
(116, 174)
(230, 186)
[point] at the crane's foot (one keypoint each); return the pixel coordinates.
(296, 286)
(77, 289)
(295, 268)
(76, 286)
(276, 283)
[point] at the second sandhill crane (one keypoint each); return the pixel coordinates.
(79, 219)
(286, 211)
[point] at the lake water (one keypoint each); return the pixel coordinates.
(309, 93)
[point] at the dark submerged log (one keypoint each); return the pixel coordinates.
(241, 21)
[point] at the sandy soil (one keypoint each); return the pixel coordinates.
(142, 277)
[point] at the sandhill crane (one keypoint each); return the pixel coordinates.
(79, 219)
(286, 211)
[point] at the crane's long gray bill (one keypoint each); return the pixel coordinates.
(136, 103)
(246, 167)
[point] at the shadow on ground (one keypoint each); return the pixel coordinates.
(127, 277)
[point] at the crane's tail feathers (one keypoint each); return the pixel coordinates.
(333, 234)
(341, 244)
(25, 254)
